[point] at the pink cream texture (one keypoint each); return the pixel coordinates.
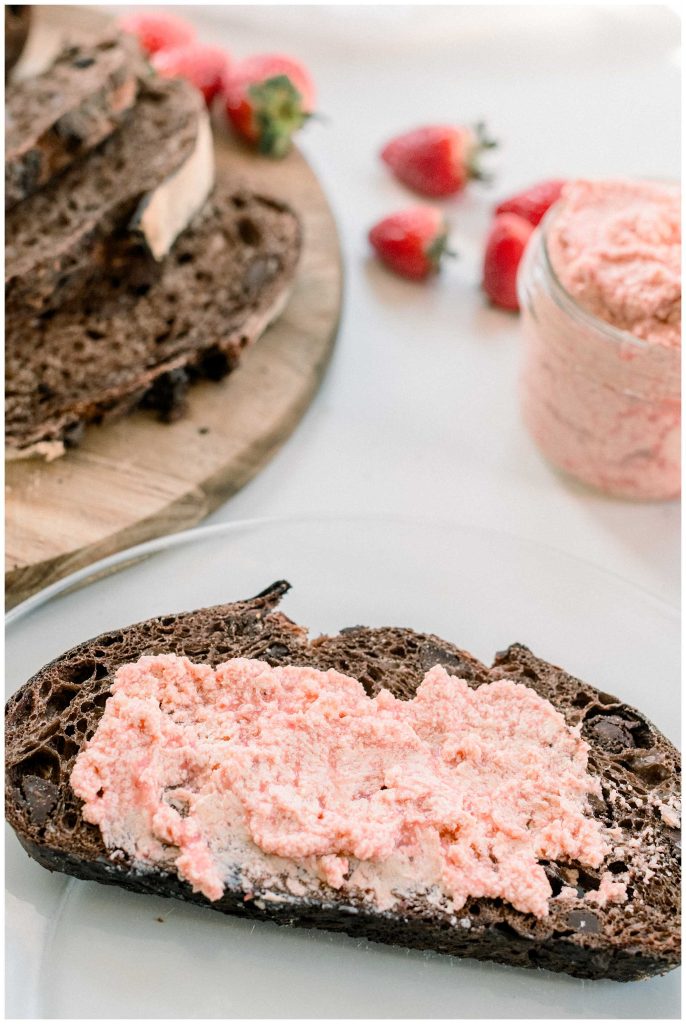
(616, 248)
(281, 779)
(604, 409)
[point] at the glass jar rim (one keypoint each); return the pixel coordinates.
(569, 304)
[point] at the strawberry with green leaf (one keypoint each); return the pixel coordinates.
(412, 242)
(438, 160)
(268, 98)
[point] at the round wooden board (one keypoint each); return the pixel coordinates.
(138, 478)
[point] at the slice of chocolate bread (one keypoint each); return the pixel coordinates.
(55, 713)
(56, 239)
(144, 329)
(17, 26)
(54, 119)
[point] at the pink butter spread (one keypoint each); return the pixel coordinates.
(606, 406)
(616, 248)
(285, 778)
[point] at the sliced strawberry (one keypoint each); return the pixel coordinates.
(157, 32)
(412, 242)
(268, 98)
(205, 67)
(533, 203)
(437, 160)
(505, 247)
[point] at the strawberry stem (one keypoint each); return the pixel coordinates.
(278, 111)
(482, 142)
(438, 249)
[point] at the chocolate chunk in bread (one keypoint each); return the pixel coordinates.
(49, 719)
(54, 119)
(144, 330)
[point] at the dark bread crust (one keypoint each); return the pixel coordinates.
(146, 329)
(17, 27)
(57, 239)
(54, 119)
(50, 717)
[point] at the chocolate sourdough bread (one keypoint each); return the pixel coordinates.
(57, 238)
(145, 329)
(54, 119)
(53, 715)
(17, 26)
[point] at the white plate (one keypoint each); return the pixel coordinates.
(78, 949)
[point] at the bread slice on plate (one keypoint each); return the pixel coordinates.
(145, 330)
(618, 919)
(150, 176)
(54, 119)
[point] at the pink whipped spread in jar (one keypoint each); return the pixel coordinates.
(600, 291)
(285, 781)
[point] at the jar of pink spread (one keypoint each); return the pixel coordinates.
(600, 293)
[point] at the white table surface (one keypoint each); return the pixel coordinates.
(418, 412)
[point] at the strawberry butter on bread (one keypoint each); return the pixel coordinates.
(379, 782)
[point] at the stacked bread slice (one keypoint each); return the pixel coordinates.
(17, 24)
(130, 267)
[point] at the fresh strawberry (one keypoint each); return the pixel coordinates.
(268, 98)
(205, 67)
(437, 160)
(159, 31)
(533, 203)
(504, 249)
(412, 242)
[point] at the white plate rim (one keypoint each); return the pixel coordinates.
(80, 578)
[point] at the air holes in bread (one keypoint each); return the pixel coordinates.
(42, 763)
(651, 767)
(26, 705)
(70, 820)
(60, 699)
(606, 698)
(111, 640)
(248, 231)
(64, 747)
(79, 671)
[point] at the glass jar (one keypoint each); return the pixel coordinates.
(601, 404)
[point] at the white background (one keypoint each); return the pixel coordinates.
(418, 412)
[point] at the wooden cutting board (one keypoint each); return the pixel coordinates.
(136, 479)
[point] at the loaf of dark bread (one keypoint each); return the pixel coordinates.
(53, 715)
(53, 119)
(144, 329)
(57, 238)
(17, 25)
